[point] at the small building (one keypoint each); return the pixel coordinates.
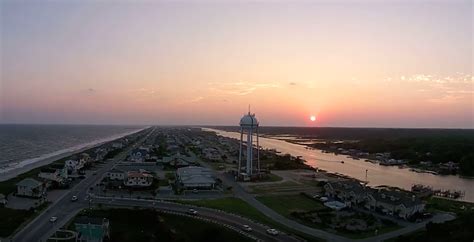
(138, 179)
(92, 229)
(116, 174)
(195, 177)
(30, 187)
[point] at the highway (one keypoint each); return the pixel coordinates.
(231, 221)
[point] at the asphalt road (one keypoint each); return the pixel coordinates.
(219, 217)
(40, 229)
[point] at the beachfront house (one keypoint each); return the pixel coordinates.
(92, 229)
(30, 187)
(195, 177)
(55, 174)
(74, 165)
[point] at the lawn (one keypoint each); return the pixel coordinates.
(12, 219)
(233, 205)
(240, 207)
(285, 205)
(442, 204)
(150, 225)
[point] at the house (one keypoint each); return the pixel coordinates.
(92, 229)
(178, 160)
(211, 154)
(139, 154)
(58, 174)
(139, 178)
(30, 187)
(392, 202)
(85, 159)
(100, 154)
(193, 177)
(349, 191)
(74, 165)
(116, 174)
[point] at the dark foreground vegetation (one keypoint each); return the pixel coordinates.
(149, 225)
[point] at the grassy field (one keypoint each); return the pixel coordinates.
(12, 219)
(284, 205)
(279, 187)
(149, 225)
(238, 206)
(441, 204)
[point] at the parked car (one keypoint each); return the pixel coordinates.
(192, 212)
(74, 198)
(273, 232)
(53, 219)
(246, 228)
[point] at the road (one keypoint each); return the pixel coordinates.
(230, 220)
(251, 200)
(40, 229)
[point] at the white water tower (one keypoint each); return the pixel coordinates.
(249, 126)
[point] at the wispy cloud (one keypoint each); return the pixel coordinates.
(240, 88)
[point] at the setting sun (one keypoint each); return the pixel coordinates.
(312, 118)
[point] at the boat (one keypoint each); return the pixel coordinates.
(342, 161)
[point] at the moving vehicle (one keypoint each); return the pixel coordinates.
(192, 212)
(53, 219)
(74, 198)
(273, 232)
(246, 228)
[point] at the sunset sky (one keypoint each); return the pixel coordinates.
(349, 63)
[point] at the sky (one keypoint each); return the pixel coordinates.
(348, 63)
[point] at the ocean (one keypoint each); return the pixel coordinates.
(21, 145)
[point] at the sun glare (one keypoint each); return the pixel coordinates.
(312, 118)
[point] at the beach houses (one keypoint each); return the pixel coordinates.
(195, 177)
(396, 203)
(30, 187)
(349, 191)
(54, 174)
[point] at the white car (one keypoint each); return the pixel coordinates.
(53, 219)
(192, 212)
(74, 198)
(272, 232)
(246, 228)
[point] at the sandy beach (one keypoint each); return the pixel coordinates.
(30, 164)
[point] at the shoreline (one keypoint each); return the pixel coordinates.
(30, 164)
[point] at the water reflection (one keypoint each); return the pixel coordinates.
(376, 174)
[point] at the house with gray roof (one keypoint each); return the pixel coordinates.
(195, 177)
(30, 187)
(394, 202)
(349, 191)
